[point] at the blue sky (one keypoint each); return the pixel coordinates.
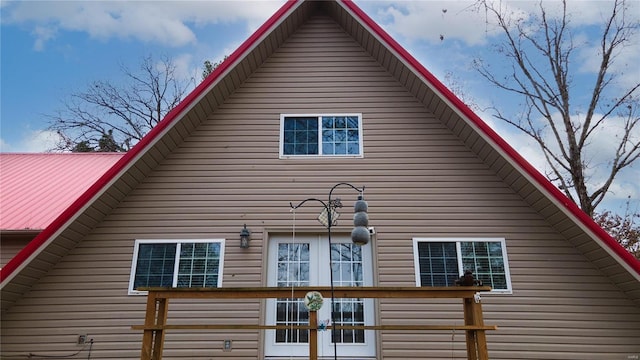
(51, 49)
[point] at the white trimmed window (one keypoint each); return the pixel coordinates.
(321, 135)
(440, 261)
(176, 263)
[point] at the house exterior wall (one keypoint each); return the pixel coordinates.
(421, 181)
(11, 244)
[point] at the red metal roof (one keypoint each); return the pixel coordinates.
(35, 188)
(174, 115)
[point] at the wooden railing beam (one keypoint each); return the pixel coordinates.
(155, 324)
(340, 292)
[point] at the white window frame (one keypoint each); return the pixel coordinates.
(178, 242)
(320, 155)
(503, 246)
(319, 276)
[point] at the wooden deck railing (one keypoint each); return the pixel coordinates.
(155, 324)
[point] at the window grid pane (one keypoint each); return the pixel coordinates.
(154, 266)
(486, 261)
(340, 135)
(199, 265)
(300, 136)
(293, 270)
(347, 263)
(438, 263)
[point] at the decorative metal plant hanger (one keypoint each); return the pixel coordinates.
(359, 235)
(293, 239)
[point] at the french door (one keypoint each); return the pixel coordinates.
(304, 261)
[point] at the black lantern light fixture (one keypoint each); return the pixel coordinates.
(245, 236)
(360, 235)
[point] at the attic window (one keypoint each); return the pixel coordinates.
(321, 135)
(439, 262)
(176, 263)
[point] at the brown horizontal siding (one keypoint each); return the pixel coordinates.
(421, 181)
(11, 245)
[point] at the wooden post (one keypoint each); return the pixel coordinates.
(149, 319)
(313, 335)
(472, 353)
(481, 337)
(153, 339)
(161, 319)
(476, 339)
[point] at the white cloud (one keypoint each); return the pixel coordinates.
(32, 141)
(428, 20)
(466, 21)
(4, 146)
(521, 142)
(163, 22)
(625, 185)
(42, 34)
(624, 64)
(185, 69)
(589, 52)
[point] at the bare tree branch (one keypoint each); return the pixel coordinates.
(120, 115)
(541, 51)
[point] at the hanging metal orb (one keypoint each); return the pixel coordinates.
(360, 205)
(360, 235)
(361, 219)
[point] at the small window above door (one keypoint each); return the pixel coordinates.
(326, 135)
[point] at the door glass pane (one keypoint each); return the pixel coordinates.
(291, 312)
(347, 271)
(293, 270)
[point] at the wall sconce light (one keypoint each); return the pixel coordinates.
(245, 236)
